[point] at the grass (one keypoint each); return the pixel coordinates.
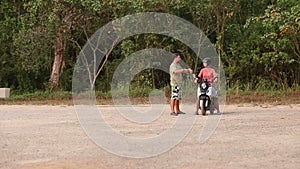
(141, 96)
(271, 97)
(39, 97)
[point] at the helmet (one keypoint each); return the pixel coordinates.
(206, 60)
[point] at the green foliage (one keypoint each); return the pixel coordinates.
(258, 41)
(271, 52)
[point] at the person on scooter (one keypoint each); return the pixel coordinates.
(176, 72)
(210, 74)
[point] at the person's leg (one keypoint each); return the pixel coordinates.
(172, 104)
(217, 105)
(211, 94)
(177, 109)
(216, 100)
(197, 101)
(197, 106)
(173, 101)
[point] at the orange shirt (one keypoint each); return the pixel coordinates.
(208, 73)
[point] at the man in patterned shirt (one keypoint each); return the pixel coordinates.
(176, 72)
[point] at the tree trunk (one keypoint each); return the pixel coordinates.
(58, 63)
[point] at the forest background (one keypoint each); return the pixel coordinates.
(257, 41)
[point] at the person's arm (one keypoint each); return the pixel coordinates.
(215, 77)
(199, 76)
(189, 70)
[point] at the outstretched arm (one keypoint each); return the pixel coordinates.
(189, 70)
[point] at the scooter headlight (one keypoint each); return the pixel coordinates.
(203, 86)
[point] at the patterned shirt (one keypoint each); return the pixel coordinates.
(176, 78)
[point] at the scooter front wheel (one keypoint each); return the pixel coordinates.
(202, 107)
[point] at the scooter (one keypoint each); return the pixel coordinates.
(205, 102)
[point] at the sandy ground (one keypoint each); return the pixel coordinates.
(247, 136)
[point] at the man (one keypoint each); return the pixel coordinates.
(210, 74)
(176, 72)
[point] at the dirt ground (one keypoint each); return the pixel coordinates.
(247, 136)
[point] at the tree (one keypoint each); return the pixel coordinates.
(14, 71)
(279, 45)
(238, 43)
(8, 20)
(266, 46)
(40, 40)
(66, 15)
